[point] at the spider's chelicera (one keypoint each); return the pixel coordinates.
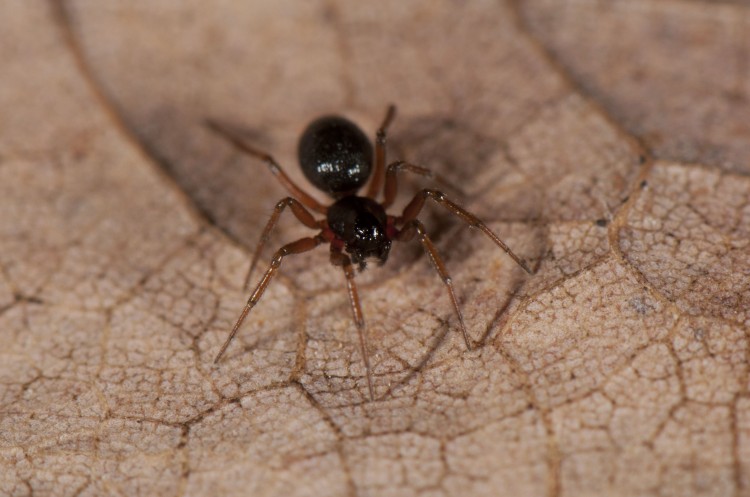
(337, 157)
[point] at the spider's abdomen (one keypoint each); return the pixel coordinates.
(335, 155)
(361, 224)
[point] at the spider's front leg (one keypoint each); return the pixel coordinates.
(298, 247)
(302, 215)
(340, 259)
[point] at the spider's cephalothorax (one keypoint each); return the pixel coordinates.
(362, 225)
(336, 156)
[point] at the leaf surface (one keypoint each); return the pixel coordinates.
(606, 143)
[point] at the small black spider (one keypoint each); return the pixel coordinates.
(337, 157)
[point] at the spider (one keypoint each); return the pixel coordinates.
(337, 157)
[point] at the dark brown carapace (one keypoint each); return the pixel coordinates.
(336, 157)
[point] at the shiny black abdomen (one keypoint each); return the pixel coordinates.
(335, 155)
(361, 223)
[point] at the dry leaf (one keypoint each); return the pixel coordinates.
(606, 142)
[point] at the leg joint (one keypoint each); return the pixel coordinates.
(395, 166)
(415, 225)
(277, 257)
(272, 165)
(340, 260)
(436, 195)
(285, 202)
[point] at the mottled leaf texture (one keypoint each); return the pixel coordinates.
(605, 141)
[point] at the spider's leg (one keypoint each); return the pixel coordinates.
(380, 137)
(391, 181)
(299, 211)
(343, 260)
(235, 138)
(301, 245)
(415, 206)
(407, 233)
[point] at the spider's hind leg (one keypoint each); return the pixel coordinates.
(380, 137)
(236, 139)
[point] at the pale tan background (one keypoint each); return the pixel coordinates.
(607, 142)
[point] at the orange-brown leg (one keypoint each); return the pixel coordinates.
(391, 181)
(380, 138)
(415, 206)
(302, 214)
(236, 139)
(301, 245)
(407, 233)
(343, 260)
